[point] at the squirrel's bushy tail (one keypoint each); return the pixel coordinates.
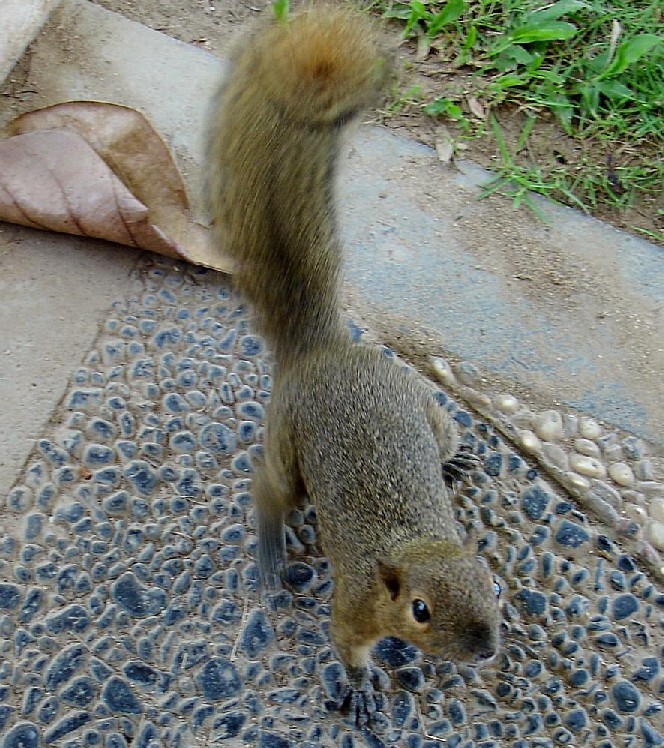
(273, 146)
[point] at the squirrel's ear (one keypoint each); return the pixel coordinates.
(389, 576)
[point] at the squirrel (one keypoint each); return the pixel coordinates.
(362, 437)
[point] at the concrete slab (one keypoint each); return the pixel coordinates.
(56, 290)
(20, 22)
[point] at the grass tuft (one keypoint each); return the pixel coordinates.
(594, 66)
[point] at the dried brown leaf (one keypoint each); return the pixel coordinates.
(475, 107)
(101, 170)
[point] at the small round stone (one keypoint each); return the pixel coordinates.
(506, 404)
(589, 428)
(586, 447)
(657, 509)
(529, 441)
(655, 534)
(548, 425)
(587, 466)
(621, 473)
(626, 697)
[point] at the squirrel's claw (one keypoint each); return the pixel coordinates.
(458, 468)
(359, 705)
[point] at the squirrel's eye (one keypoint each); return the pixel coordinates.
(420, 611)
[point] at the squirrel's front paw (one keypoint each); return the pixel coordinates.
(458, 467)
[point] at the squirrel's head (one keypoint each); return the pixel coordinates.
(442, 598)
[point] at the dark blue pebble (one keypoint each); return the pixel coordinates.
(183, 441)
(135, 599)
(33, 526)
(146, 737)
(626, 563)
(493, 464)
(617, 580)
(395, 652)
(411, 678)
(10, 596)
(70, 513)
(64, 665)
(116, 503)
(141, 673)
(463, 418)
(612, 720)
(563, 507)
(115, 740)
(219, 680)
(456, 712)
(97, 455)
(403, 706)
(571, 535)
(22, 735)
(218, 439)
(531, 602)
(299, 576)
(73, 618)
(48, 710)
(258, 633)
(535, 502)
(31, 605)
(141, 476)
(80, 692)
(576, 719)
(626, 697)
(200, 715)
(333, 678)
(649, 669)
(624, 606)
(650, 736)
(273, 740)
(119, 697)
(251, 410)
(31, 698)
(66, 725)
(251, 345)
(607, 640)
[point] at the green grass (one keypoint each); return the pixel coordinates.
(596, 66)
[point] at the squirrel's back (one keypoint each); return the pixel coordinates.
(273, 147)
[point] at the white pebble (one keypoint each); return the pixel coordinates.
(529, 441)
(613, 453)
(578, 481)
(655, 534)
(506, 403)
(549, 425)
(635, 512)
(657, 509)
(556, 454)
(587, 466)
(621, 473)
(589, 428)
(586, 447)
(442, 370)
(570, 424)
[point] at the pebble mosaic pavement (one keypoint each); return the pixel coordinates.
(129, 609)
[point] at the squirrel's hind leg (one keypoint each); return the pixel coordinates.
(277, 486)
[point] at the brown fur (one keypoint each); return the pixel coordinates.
(363, 437)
